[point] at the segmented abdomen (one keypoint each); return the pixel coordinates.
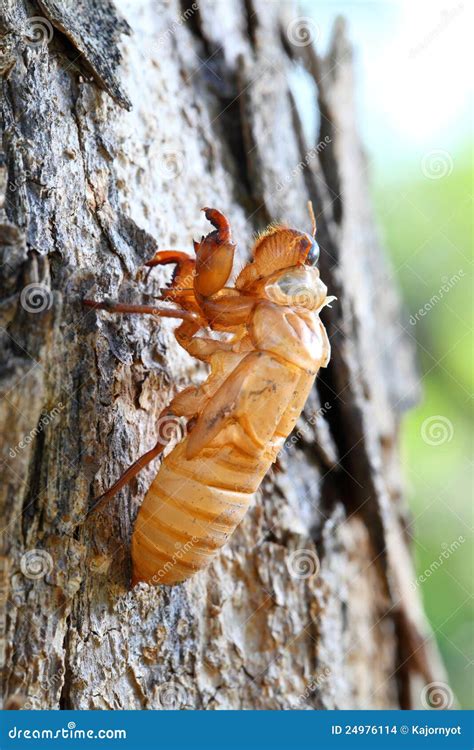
(191, 509)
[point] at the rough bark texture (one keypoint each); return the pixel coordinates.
(103, 152)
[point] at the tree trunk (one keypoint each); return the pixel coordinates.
(111, 139)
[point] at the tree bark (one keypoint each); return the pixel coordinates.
(112, 138)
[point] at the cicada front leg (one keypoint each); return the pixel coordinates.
(197, 279)
(168, 257)
(214, 256)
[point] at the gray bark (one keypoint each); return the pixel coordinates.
(113, 139)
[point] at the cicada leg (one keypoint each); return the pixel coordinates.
(167, 257)
(125, 308)
(214, 256)
(185, 407)
(127, 476)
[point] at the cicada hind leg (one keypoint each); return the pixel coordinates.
(137, 466)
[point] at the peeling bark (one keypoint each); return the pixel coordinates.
(110, 140)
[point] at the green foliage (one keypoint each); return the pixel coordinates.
(427, 223)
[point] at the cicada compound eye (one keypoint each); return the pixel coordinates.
(313, 255)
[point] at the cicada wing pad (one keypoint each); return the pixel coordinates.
(193, 400)
(254, 398)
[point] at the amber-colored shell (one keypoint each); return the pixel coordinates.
(194, 504)
(246, 409)
(262, 368)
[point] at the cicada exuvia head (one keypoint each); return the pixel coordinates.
(284, 269)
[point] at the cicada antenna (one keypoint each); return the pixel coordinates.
(313, 218)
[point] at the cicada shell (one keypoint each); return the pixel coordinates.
(261, 373)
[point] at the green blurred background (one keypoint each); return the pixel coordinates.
(415, 114)
(428, 231)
